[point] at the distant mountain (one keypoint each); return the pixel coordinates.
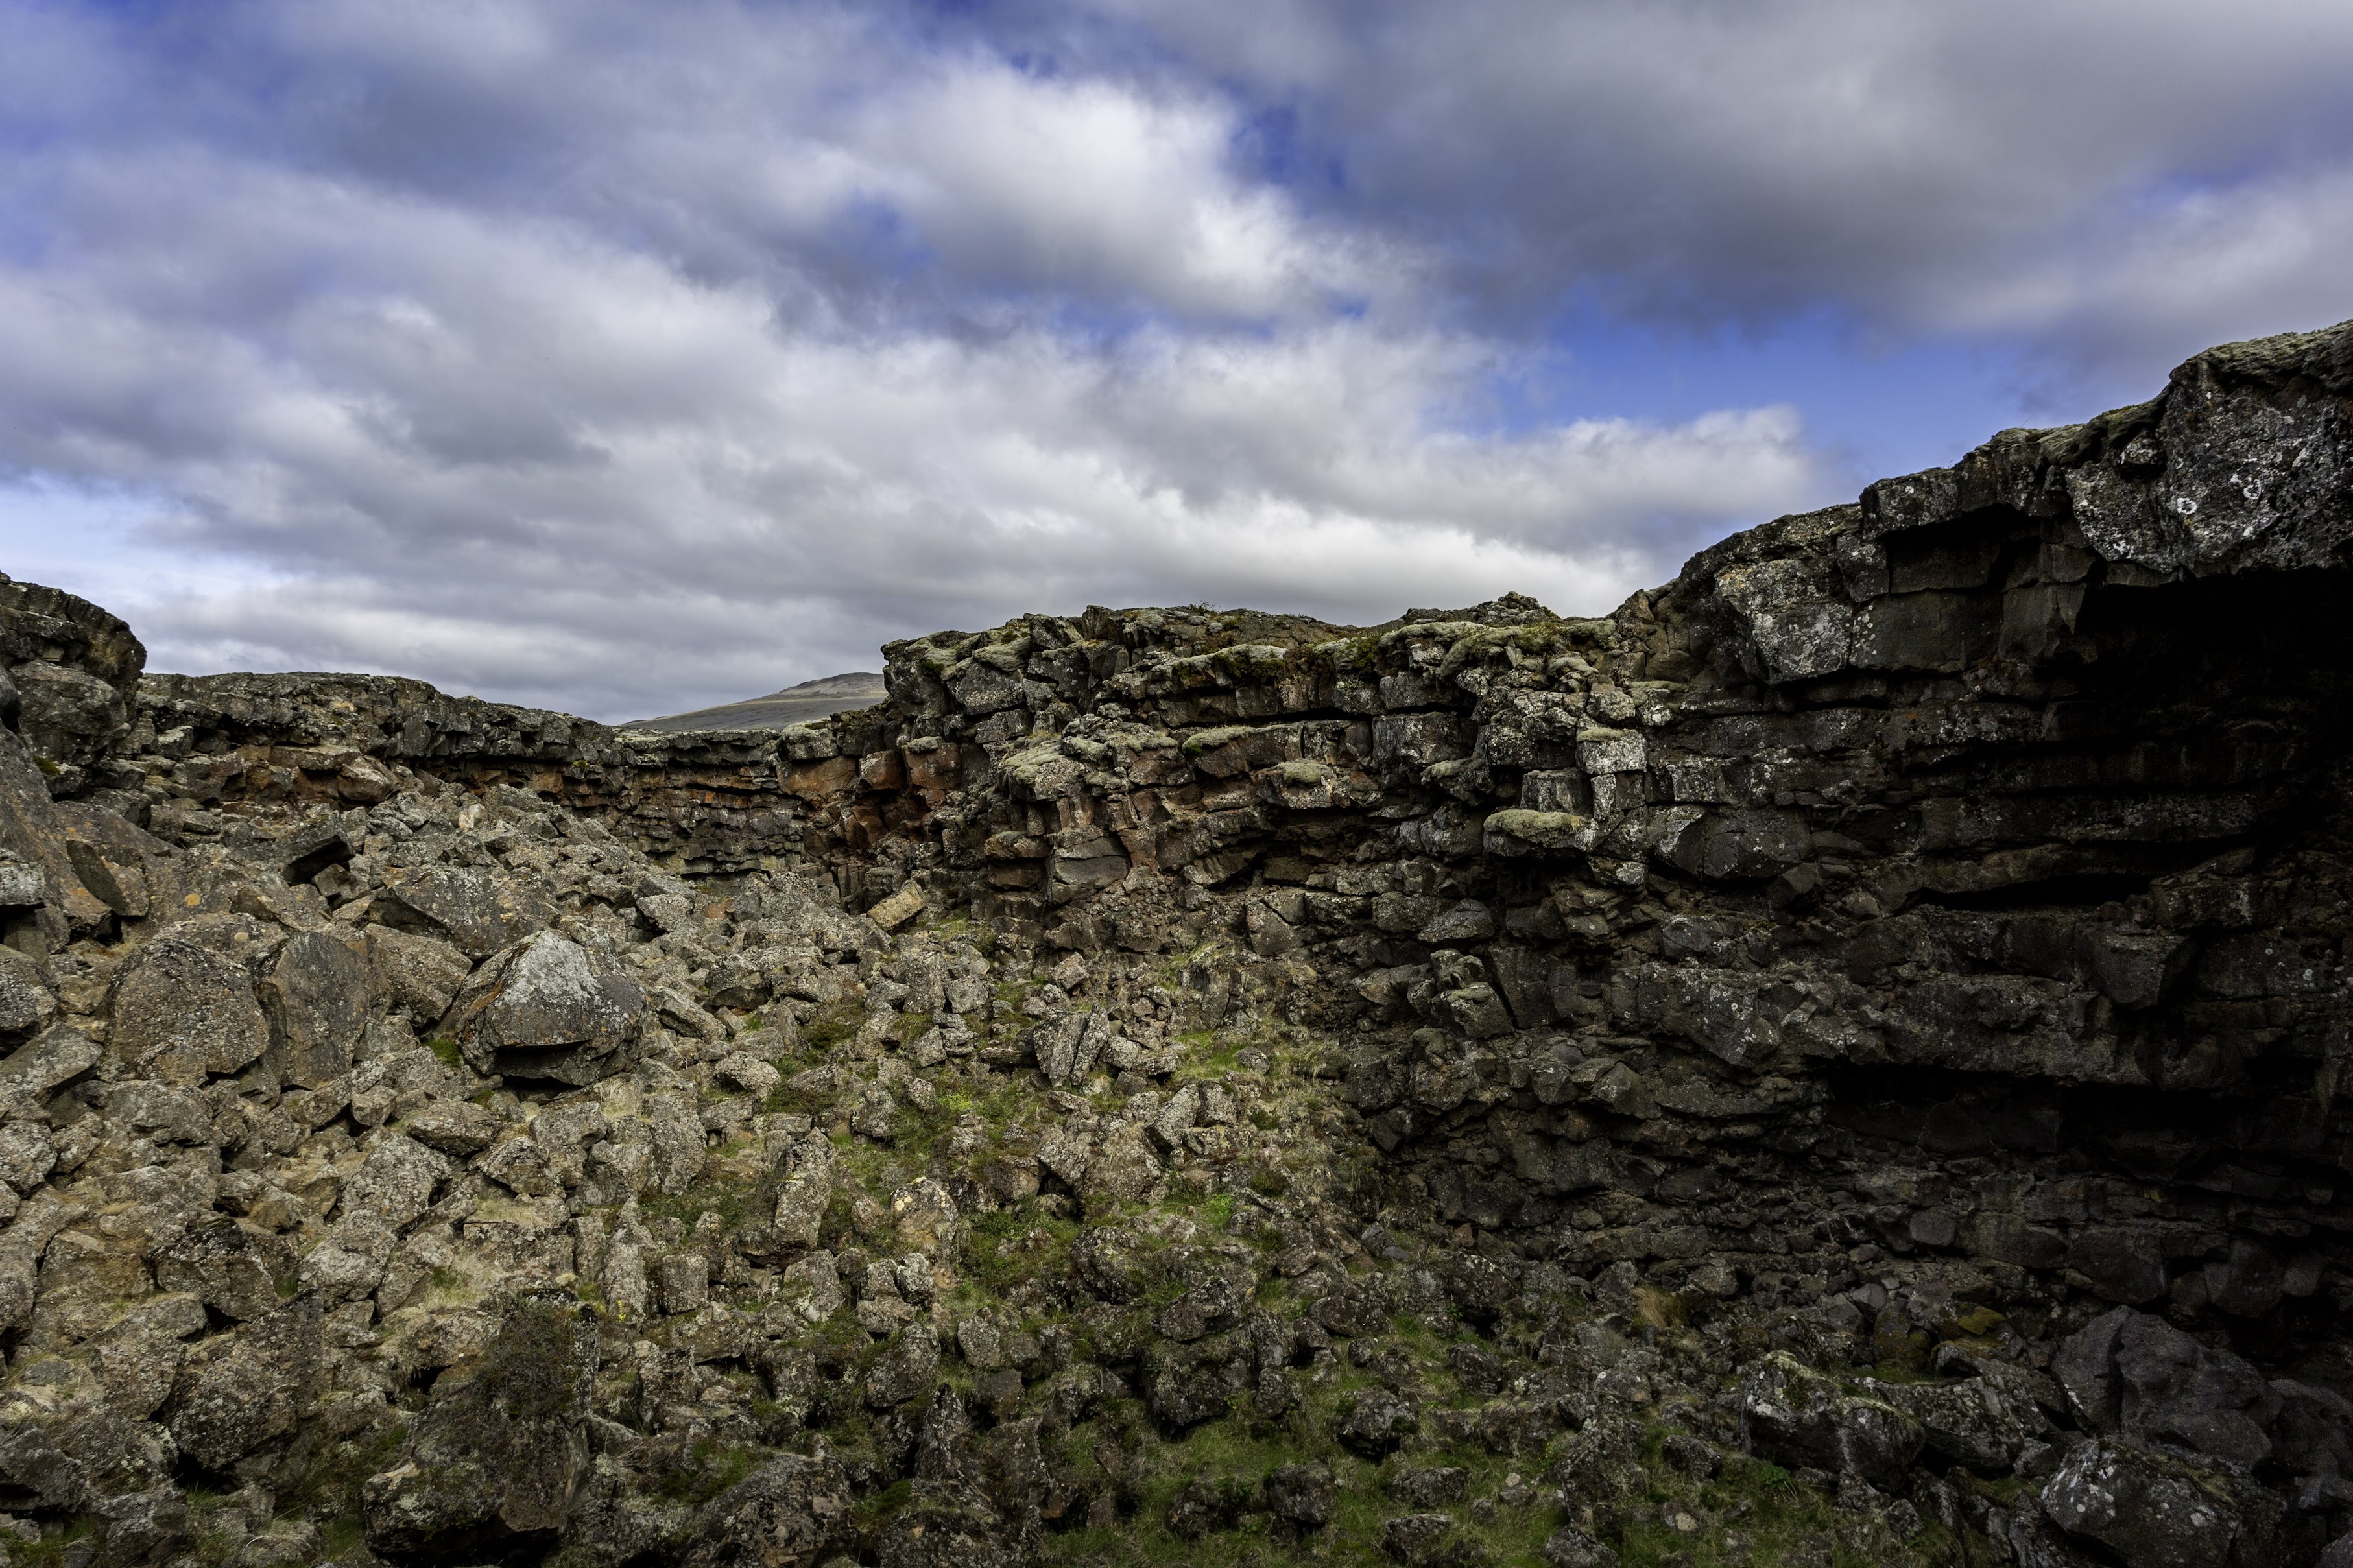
(794, 704)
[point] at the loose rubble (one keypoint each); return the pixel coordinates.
(1835, 1062)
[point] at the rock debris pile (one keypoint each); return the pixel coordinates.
(1834, 1062)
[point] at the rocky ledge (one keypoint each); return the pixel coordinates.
(1834, 1062)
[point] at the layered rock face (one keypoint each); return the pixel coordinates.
(1836, 1060)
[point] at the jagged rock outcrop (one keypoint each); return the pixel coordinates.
(1840, 1056)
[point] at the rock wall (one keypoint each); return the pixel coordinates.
(1837, 1058)
(1963, 867)
(706, 802)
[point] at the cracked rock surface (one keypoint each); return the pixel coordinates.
(1836, 1061)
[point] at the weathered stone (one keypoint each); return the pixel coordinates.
(906, 1370)
(1983, 1422)
(790, 1512)
(1422, 1540)
(806, 1190)
(230, 1267)
(254, 1387)
(1797, 1417)
(1301, 1495)
(57, 1056)
(420, 975)
(479, 912)
(316, 996)
(1378, 1423)
(2150, 1511)
(33, 837)
(183, 1012)
(549, 1008)
(496, 1457)
(1187, 1384)
(1122, 1170)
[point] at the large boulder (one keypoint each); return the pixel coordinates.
(1301, 1495)
(232, 1267)
(1378, 1423)
(58, 1055)
(1108, 1262)
(67, 715)
(2151, 1511)
(1797, 1417)
(1190, 1383)
(78, 1459)
(550, 1008)
(809, 1173)
(492, 1466)
(1983, 1422)
(791, 1512)
(395, 1183)
(240, 1392)
(2129, 1372)
(41, 872)
(477, 911)
(50, 625)
(116, 861)
(316, 996)
(184, 1011)
(417, 973)
(906, 1370)
(945, 1524)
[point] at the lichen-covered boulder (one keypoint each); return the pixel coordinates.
(493, 1464)
(1797, 1417)
(906, 1370)
(1378, 1423)
(242, 1391)
(68, 715)
(479, 912)
(230, 1267)
(1190, 1383)
(316, 998)
(791, 1512)
(550, 1008)
(945, 1525)
(1301, 1495)
(2132, 1373)
(184, 1011)
(419, 973)
(2152, 1511)
(1983, 1422)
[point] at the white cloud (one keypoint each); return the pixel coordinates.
(552, 468)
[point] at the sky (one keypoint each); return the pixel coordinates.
(627, 359)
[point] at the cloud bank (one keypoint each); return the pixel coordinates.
(627, 359)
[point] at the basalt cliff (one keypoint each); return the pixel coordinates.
(1836, 1062)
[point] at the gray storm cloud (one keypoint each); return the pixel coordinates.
(626, 360)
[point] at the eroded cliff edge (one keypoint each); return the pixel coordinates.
(1491, 1085)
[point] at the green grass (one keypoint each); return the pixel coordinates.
(712, 1466)
(1234, 1456)
(50, 1550)
(996, 1262)
(446, 1049)
(331, 1484)
(833, 1025)
(341, 1537)
(1772, 1513)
